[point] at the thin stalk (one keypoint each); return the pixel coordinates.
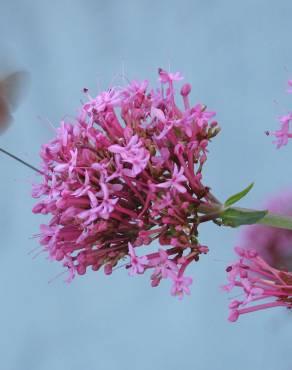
(272, 219)
(21, 161)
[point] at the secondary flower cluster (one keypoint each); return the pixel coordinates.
(266, 277)
(126, 173)
(258, 281)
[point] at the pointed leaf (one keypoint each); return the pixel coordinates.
(236, 197)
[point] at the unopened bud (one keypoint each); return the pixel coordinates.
(186, 89)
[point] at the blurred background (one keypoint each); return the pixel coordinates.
(237, 55)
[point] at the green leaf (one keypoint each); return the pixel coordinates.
(236, 197)
(236, 217)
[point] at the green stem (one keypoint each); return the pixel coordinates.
(213, 210)
(275, 220)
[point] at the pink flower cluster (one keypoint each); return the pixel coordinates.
(258, 281)
(127, 173)
(272, 243)
(283, 134)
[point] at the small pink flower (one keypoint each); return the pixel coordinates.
(106, 99)
(201, 115)
(134, 93)
(180, 285)
(175, 181)
(164, 265)
(166, 77)
(69, 166)
(137, 263)
(133, 153)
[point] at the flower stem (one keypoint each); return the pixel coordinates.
(21, 161)
(271, 219)
(213, 210)
(275, 220)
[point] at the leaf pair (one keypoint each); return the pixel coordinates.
(235, 217)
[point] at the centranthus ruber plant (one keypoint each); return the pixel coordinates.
(128, 171)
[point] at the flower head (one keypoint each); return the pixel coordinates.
(126, 173)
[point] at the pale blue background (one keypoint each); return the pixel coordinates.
(234, 53)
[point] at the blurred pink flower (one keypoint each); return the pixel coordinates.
(273, 244)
